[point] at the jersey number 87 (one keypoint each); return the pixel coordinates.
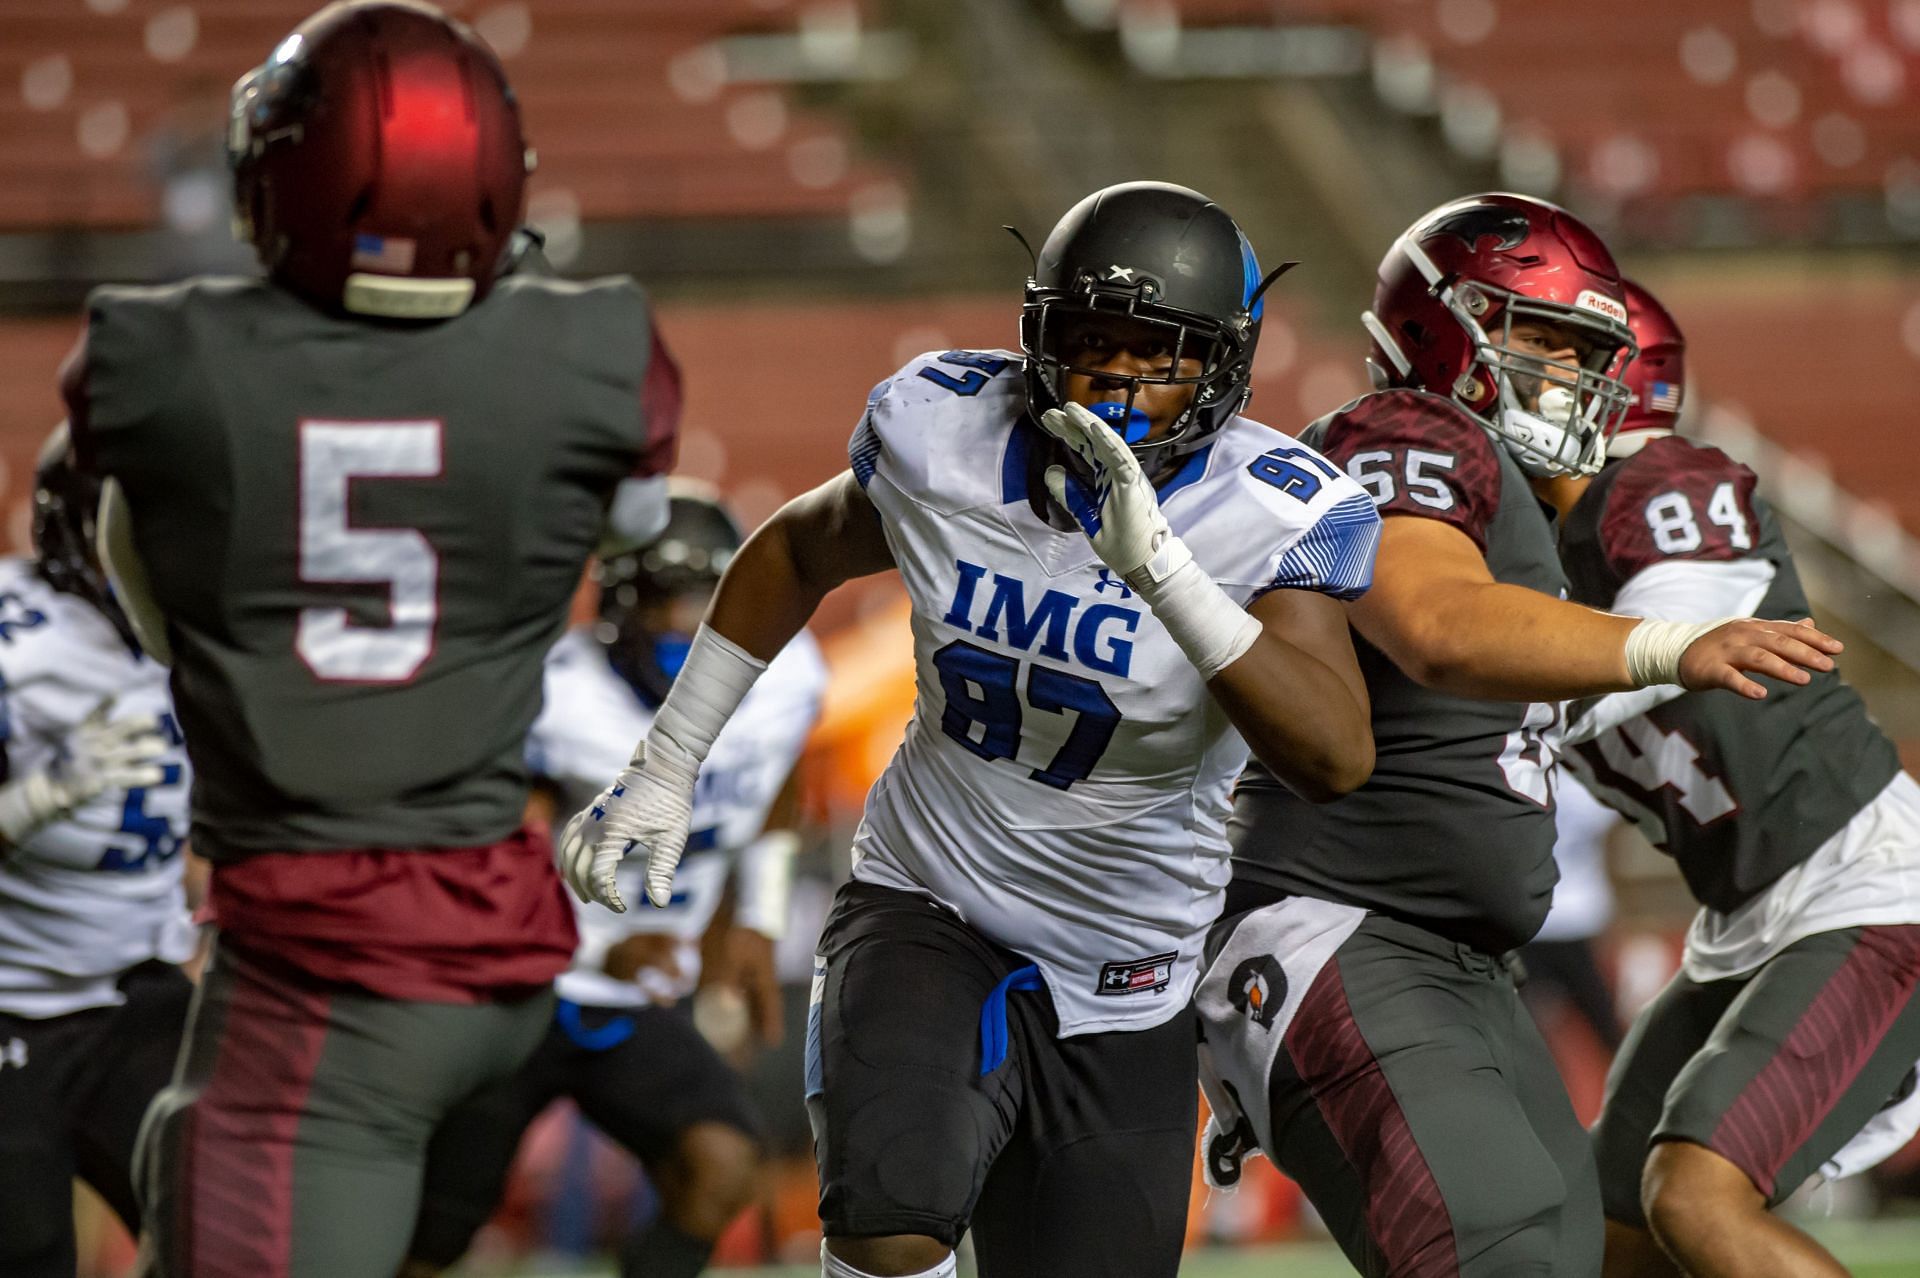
(984, 710)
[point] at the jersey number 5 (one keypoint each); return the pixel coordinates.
(333, 553)
(983, 710)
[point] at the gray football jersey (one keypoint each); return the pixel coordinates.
(365, 536)
(1736, 791)
(1454, 831)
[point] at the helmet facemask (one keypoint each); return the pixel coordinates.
(1055, 331)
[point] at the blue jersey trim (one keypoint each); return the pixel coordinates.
(863, 452)
(1335, 556)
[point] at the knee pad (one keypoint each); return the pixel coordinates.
(831, 1266)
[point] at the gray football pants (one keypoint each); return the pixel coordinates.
(291, 1141)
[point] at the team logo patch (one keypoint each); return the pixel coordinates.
(1471, 225)
(1258, 989)
(1147, 975)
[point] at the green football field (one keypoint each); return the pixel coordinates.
(1871, 1249)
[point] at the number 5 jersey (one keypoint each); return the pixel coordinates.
(364, 537)
(98, 891)
(1063, 784)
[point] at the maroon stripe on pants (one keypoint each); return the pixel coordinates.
(1406, 1215)
(1784, 1105)
(240, 1134)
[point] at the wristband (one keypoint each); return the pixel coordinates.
(711, 685)
(1654, 648)
(763, 883)
(1210, 628)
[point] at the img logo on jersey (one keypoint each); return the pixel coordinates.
(1046, 626)
(1258, 988)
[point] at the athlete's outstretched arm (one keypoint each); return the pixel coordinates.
(814, 543)
(1436, 610)
(1298, 697)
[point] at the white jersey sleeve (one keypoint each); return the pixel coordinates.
(1063, 783)
(86, 897)
(582, 739)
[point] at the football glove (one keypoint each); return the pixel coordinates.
(101, 754)
(1118, 509)
(647, 810)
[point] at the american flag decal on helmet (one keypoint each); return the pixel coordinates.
(1663, 397)
(390, 253)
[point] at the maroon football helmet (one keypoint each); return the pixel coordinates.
(378, 163)
(1657, 376)
(1452, 288)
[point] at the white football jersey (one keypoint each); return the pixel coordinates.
(87, 897)
(584, 737)
(1063, 785)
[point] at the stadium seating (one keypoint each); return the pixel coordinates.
(627, 102)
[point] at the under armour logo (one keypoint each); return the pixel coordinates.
(1108, 579)
(1124, 273)
(1116, 980)
(14, 1053)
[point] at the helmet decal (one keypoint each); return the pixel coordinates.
(1474, 223)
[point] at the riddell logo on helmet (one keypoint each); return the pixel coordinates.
(1601, 304)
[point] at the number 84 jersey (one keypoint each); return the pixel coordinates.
(1063, 784)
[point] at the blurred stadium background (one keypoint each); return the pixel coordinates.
(814, 191)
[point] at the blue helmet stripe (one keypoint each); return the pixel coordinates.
(1250, 277)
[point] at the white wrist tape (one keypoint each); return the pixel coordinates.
(1654, 648)
(711, 685)
(1210, 628)
(763, 883)
(29, 803)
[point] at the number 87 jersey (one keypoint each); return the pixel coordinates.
(1063, 784)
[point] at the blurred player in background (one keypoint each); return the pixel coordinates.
(623, 1044)
(1000, 1035)
(1561, 961)
(1360, 1018)
(351, 504)
(93, 917)
(1792, 1022)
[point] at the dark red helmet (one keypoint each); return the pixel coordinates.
(378, 163)
(1452, 288)
(1657, 376)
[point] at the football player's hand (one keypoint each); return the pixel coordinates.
(1783, 650)
(746, 964)
(644, 952)
(646, 810)
(105, 753)
(1118, 510)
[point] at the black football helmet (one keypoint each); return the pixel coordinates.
(1161, 255)
(66, 506)
(688, 556)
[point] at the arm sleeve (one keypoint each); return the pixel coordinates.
(1419, 455)
(1671, 590)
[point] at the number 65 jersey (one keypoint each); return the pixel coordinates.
(1063, 784)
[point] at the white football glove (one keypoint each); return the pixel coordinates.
(101, 754)
(1119, 512)
(647, 810)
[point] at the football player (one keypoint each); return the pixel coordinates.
(1792, 1021)
(93, 919)
(1361, 1022)
(623, 1045)
(1111, 571)
(352, 501)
